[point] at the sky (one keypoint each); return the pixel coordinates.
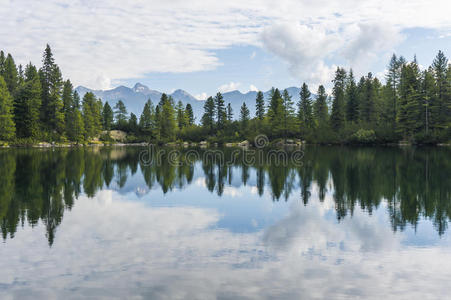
(205, 46)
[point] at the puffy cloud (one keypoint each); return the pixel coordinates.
(201, 96)
(98, 43)
(228, 87)
(366, 41)
(253, 88)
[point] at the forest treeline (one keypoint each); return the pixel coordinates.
(413, 105)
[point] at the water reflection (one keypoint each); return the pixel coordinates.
(337, 227)
(413, 184)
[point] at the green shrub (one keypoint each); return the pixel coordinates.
(363, 136)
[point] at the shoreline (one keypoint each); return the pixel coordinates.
(44, 145)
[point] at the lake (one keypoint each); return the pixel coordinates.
(159, 223)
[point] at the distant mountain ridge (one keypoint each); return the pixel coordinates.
(135, 98)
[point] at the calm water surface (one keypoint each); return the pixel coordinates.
(348, 222)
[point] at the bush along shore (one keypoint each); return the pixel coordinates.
(409, 106)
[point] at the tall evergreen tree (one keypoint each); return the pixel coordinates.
(229, 112)
(167, 120)
(368, 100)
(120, 115)
(51, 83)
(91, 115)
(181, 117)
(320, 107)
(352, 100)
(27, 105)
(260, 106)
(276, 113)
(10, 75)
(209, 114)
(337, 116)
(7, 126)
(68, 99)
(221, 114)
(428, 97)
(189, 114)
(133, 123)
(440, 66)
(244, 117)
(146, 121)
(409, 113)
(393, 80)
(2, 63)
(305, 111)
(107, 116)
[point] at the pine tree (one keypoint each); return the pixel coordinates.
(305, 112)
(260, 106)
(51, 83)
(221, 115)
(68, 99)
(7, 126)
(244, 117)
(107, 116)
(276, 113)
(92, 117)
(409, 113)
(229, 112)
(10, 74)
(440, 66)
(189, 115)
(2, 63)
(167, 121)
(337, 116)
(146, 121)
(368, 100)
(428, 94)
(133, 123)
(352, 100)
(288, 114)
(75, 127)
(320, 107)
(181, 118)
(393, 80)
(209, 115)
(27, 105)
(120, 115)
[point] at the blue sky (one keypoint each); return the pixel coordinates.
(204, 46)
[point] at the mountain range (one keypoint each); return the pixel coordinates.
(135, 98)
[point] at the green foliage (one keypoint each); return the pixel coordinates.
(412, 105)
(189, 115)
(7, 126)
(107, 116)
(305, 110)
(244, 117)
(337, 117)
(27, 105)
(120, 115)
(260, 106)
(92, 117)
(363, 136)
(208, 118)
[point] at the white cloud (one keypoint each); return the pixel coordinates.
(228, 87)
(98, 43)
(201, 96)
(304, 48)
(253, 55)
(253, 88)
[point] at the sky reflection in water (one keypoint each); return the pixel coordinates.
(133, 240)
